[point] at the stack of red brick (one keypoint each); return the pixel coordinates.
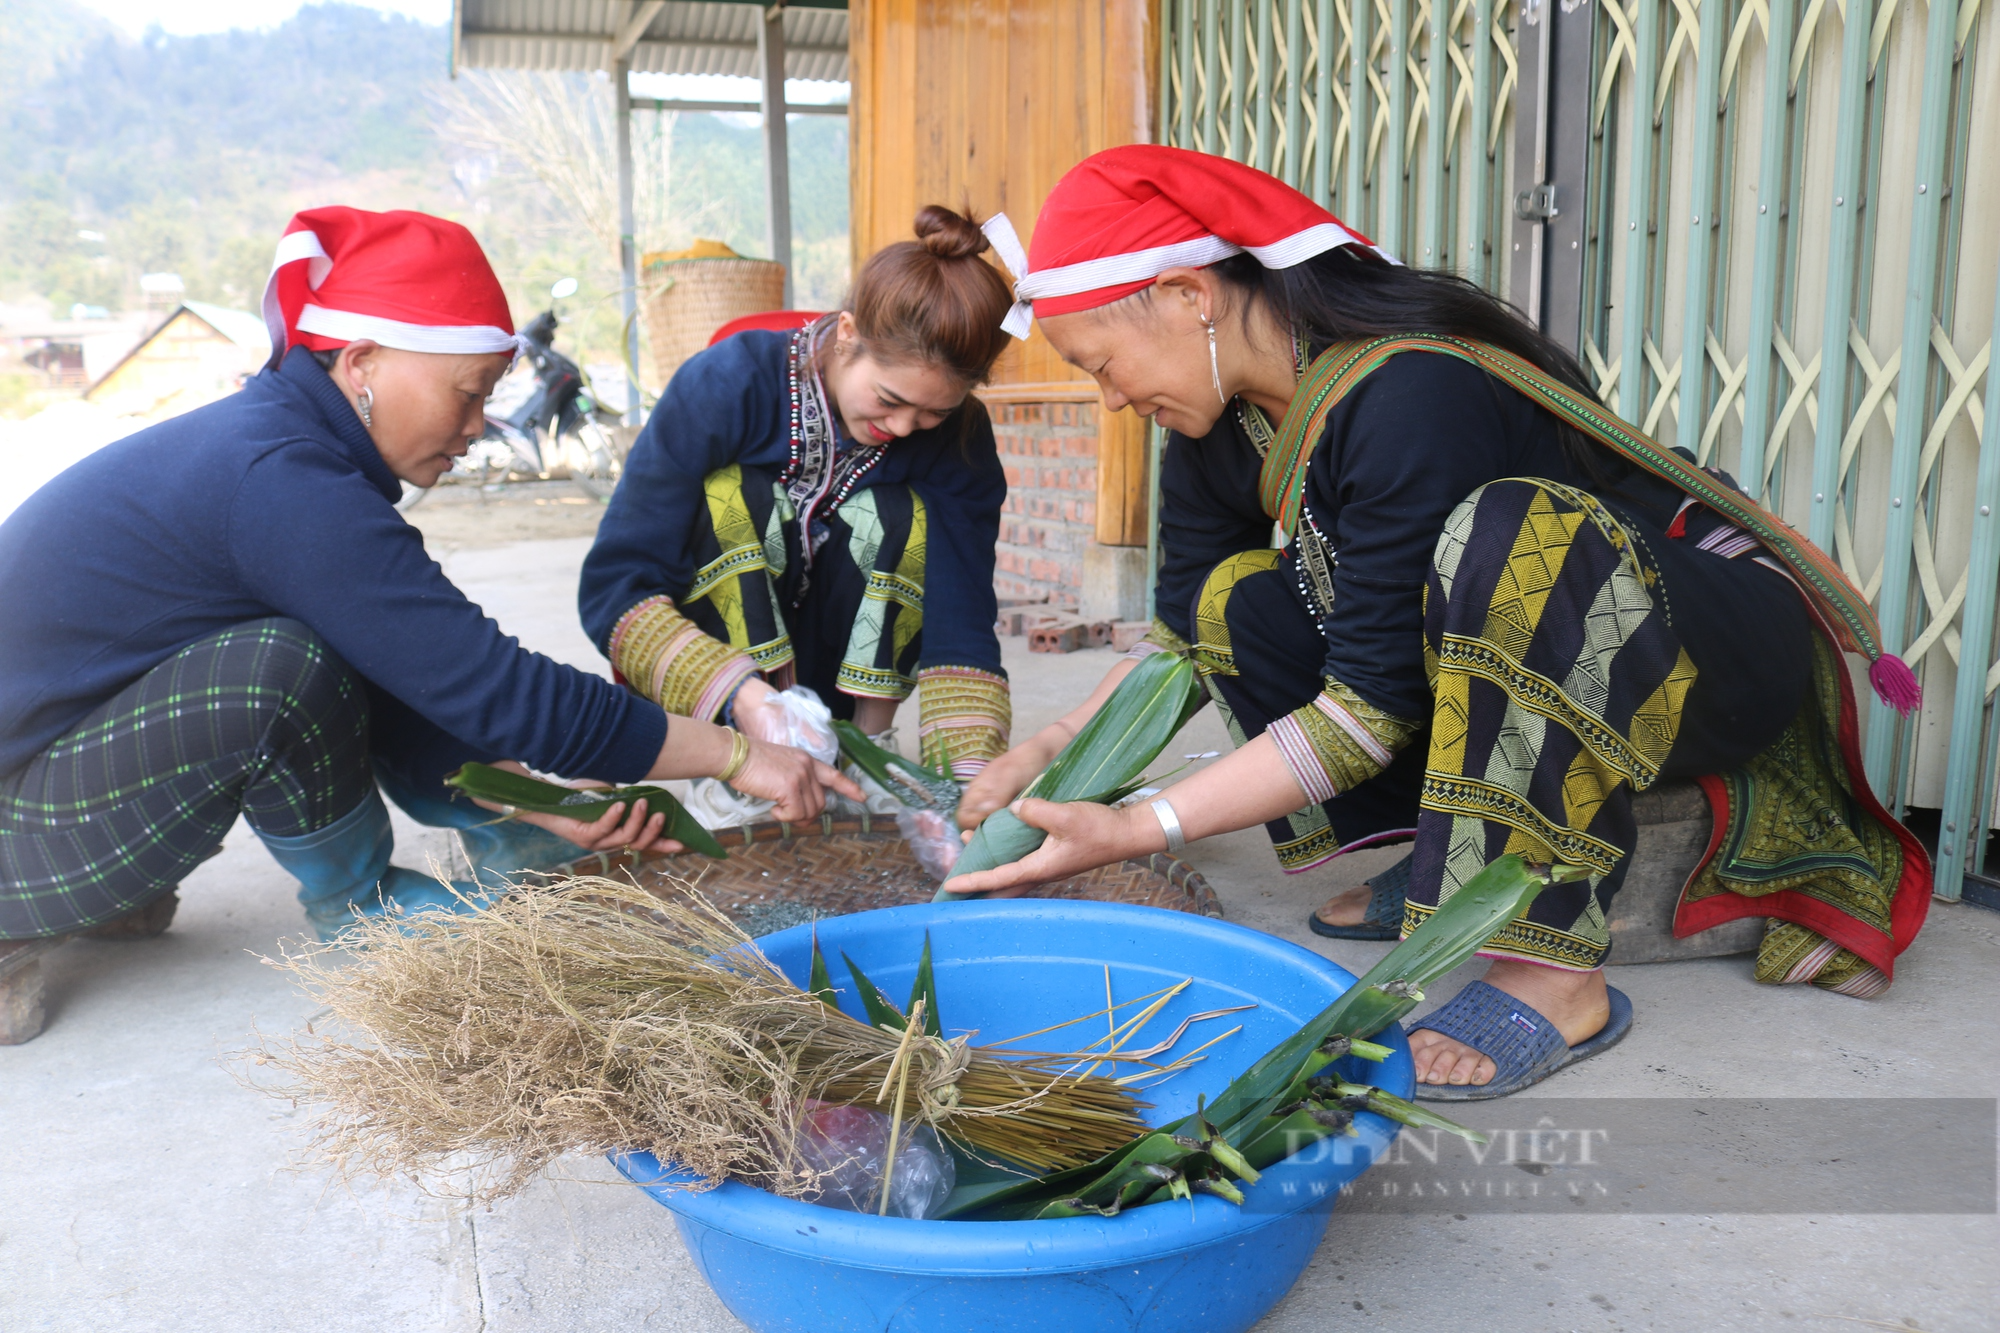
(1059, 629)
(1049, 451)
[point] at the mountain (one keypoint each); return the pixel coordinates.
(120, 156)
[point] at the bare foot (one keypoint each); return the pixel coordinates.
(1576, 1002)
(1349, 907)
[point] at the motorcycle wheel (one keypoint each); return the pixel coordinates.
(594, 461)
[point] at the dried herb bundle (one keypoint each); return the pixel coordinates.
(468, 1052)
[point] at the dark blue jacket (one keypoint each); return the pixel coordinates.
(1398, 454)
(731, 404)
(274, 502)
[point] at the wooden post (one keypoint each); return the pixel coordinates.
(1121, 478)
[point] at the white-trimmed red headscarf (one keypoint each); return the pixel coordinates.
(405, 280)
(1122, 217)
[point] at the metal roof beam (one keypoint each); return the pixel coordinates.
(753, 108)
(678, 43)
(642, 19)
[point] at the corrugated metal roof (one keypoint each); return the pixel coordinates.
(681, 39)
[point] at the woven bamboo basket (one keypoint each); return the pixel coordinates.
(781, 875)
(689, 299)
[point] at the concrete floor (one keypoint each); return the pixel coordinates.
(145, 1187)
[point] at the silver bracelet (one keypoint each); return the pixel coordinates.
(1170, 822)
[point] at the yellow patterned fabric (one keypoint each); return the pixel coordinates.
(1212, 652)
(666, 657)
(1524, 760)
(964, 716)
(739, 583)
(1160, 639)
(1339, 741)
(882, 648)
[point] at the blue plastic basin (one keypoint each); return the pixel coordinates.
(1006, 968)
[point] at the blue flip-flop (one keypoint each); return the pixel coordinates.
(1525, 1047)
(1384, 918)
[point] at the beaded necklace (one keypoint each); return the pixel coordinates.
(1313, 555)
(818, 475)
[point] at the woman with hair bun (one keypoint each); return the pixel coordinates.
(821, 508)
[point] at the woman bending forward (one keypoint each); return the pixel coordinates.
(1496, 613)
(821, 508)
(224, 614)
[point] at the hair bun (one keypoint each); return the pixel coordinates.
(949, 235)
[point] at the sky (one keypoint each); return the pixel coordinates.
(192, 16)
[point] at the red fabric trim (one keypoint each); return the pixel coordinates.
(1908, 907)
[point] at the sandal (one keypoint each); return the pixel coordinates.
(1384, 919)
(1525, 1047)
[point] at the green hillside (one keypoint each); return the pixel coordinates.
(187, 154)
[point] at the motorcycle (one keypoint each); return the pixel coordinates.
(543, 422)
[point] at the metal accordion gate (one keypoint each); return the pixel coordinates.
(1770, 229)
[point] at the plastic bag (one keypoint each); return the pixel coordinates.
(933, 839)
(794, 717)
(848, 1146)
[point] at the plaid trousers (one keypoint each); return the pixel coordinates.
(260, 720)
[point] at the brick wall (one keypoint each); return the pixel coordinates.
(1050, 453)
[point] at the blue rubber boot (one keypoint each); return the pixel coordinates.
(498, 849)
(344, 873)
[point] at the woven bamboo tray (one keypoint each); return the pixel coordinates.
(781, 875)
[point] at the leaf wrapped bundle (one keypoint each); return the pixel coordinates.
(1105, 760)
(503, 787)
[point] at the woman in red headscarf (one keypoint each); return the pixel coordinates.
(1496, 612)
(224, 614)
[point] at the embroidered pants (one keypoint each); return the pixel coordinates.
(1575, 656)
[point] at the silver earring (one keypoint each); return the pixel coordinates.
(367, 406)
(1214, 370)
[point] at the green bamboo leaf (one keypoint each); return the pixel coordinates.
(916, 786)
(881, 1013)
(1470, 917)
(503, 787)
(925, 989)
(820, 984)
(1125, 735)
(1450, 935)
(1001, 839)
(1406, 1112)
(1102, 764)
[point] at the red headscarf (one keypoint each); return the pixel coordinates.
(1122, 217)
(404, 280)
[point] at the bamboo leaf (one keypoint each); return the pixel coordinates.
(916, 786)
(503, 787)
(1241, 1115)
(1406, 1112)
(925, 989)
(1125, 735)
(1450, 935)
(820, 983)
(881, 1013)
(1104, 761)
